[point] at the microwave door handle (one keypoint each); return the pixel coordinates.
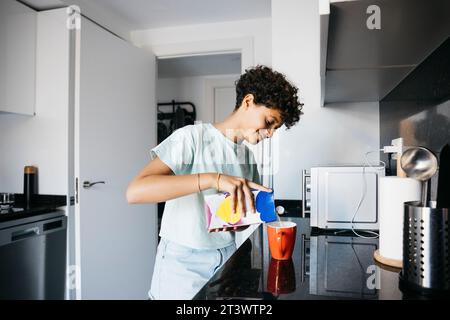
(305, 175)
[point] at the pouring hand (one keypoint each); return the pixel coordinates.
(240, 192)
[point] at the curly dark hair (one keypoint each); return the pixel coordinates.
(271, 89)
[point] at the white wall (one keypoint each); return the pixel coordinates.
(335, 134)
(41, 140)
(192, 89)
(212, 35)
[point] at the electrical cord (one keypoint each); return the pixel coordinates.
(375, 235)
(390, 163)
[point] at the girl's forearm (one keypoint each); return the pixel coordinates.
(160, 188)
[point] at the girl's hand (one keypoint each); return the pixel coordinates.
(240, 192)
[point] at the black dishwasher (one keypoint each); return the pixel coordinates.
(33, 257)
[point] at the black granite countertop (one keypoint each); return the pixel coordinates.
(41, 204)
(323, 266)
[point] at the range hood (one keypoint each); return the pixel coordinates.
(363, 64)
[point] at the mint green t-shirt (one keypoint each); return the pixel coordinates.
(195, 149)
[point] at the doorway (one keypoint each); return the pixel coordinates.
(194, 89)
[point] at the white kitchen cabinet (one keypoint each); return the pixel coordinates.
(17, 58)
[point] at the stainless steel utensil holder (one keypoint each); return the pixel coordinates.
(426, 256)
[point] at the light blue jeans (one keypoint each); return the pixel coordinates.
(180, 272)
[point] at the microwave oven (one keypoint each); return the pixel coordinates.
(337, 197)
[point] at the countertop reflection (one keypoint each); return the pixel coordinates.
(323, 266)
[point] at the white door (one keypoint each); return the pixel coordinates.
(224, 102)
(115, 128)
(220, 94)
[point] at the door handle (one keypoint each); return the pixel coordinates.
(306, 188)
(24, 234)
(304, 255)
(87, 184)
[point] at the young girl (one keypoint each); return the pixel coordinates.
(206, 158)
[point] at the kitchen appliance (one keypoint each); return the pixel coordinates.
(342, 197)
(426, 254)
(32, 255)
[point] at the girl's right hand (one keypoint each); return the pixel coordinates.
(240, 192)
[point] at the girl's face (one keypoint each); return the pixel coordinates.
(259, 122)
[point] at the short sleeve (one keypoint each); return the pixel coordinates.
(176, 151)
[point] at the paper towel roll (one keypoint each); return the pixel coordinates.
(393, 192)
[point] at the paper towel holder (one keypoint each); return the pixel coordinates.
(391, 210)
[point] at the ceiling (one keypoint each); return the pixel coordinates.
(149, 14)
(192, 66)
